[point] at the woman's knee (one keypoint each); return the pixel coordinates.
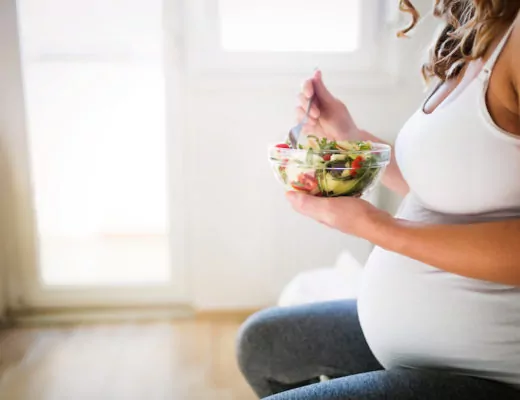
(255, 338)
(279, 337)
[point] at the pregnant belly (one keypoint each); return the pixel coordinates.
(414, 315)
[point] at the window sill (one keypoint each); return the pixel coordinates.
(236, 80)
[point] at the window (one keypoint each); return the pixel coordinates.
(295, 26)
(95, 103)
(241, 37)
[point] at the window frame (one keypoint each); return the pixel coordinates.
(209, 66)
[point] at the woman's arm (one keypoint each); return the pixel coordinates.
(486, 251)
(392, 179)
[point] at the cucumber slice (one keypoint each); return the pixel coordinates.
(336, 187)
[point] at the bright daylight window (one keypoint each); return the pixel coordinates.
(290, 25)
(94, 89)
(235, 37)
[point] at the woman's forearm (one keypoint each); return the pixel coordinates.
(392, 179)
(486, 251)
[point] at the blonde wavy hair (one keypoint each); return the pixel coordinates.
(470, 28)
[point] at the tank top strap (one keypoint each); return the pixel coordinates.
(488, 67)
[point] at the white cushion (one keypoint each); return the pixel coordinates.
(324, 284)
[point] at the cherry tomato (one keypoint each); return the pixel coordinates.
(308, 181)
(356, 164)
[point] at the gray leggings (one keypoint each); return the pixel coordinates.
(283, 351)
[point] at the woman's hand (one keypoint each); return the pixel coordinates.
(349, 215)
(328, 117)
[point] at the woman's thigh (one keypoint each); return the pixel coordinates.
(290, 345)
(402, 384)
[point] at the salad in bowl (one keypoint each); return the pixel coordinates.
(326, 168)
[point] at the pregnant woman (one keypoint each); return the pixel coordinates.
(438, 316)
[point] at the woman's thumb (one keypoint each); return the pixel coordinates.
(322, 93)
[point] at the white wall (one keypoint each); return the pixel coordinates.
(243, 241)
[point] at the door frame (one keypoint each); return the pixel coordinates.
(19, 247)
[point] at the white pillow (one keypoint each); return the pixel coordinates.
(324, 284)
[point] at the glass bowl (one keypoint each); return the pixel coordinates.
(330, 173)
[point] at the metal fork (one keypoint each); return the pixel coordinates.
(294, 133)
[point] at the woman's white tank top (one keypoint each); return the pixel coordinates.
(461, 168)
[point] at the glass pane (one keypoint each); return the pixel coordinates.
(97, 144)
(93, 27)
(290, 25)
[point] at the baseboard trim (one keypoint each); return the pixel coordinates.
(39, 317)
(227, 314)
(82, 316)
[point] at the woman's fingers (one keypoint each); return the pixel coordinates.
(300, 115)
(318, 208)
(309, 129)
(304, 103)
(308, 88)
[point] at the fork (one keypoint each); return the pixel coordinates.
(294, 133)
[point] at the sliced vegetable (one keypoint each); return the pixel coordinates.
(308, 181)
(283, 173)
(299, 186)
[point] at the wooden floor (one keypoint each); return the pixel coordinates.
(185, 359)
